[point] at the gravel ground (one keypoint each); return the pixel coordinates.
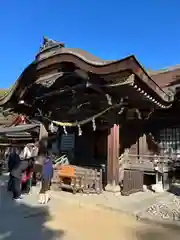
(166, 208)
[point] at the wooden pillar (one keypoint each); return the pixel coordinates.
(143, 145)
(113, 160)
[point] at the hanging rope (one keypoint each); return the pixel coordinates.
(74, 124)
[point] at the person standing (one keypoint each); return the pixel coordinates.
(16, 173)
(26, 175)
(47, 174)
(13, 161)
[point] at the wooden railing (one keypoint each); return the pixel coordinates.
(145, 162)
(133, 167)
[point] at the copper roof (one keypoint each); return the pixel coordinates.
(52, 52)
(51, 47)
(166, 77)
(85, 56)
(19, 128)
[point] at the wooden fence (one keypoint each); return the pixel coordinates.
(133, 182)
(134, 167)
(78, 179)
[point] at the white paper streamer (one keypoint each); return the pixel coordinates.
(65, 131)
(94, 124)
(79, 130)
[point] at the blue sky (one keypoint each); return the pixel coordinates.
(109, 29)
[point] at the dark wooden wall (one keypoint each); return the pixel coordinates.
(137, 136)
(84, 148)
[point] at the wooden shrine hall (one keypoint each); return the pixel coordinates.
(115, 110)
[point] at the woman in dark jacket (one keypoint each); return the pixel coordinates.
(16, 173)
(13, 161)
(47, 174)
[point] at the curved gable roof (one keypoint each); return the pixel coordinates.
(52, 52)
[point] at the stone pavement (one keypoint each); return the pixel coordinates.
(142, 205)
(132, 204)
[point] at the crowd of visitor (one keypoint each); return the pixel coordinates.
(23, 168)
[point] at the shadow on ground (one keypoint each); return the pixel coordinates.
(160, 231)
(175, 189)
(23, 221)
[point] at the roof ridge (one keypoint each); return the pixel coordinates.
(164, 70)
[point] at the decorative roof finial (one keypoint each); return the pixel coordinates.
(49, 43)
(45, 40)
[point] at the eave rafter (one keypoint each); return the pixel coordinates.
(150, 97)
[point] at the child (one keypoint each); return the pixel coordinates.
(26, 180)
(47, 174)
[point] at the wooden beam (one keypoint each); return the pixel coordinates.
(61, 91)
(129, 80)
